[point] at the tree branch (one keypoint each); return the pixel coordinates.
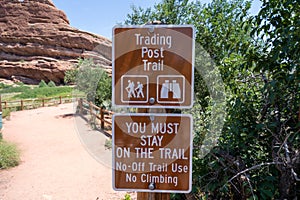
(295, 175)
(253, 168)
(251, 188)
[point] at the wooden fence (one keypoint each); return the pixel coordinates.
(26, 104)
(98, 116)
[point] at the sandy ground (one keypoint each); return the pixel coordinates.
(55, 165)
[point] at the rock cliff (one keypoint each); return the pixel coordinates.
(38, 43)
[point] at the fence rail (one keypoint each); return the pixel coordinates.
(98, 116)
(25, 104)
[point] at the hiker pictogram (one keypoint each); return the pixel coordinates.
(130, 89)
(139, 90)
(134, 88)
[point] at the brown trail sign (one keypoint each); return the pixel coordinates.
(153, 66)
(152, 152)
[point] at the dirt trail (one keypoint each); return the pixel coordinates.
(54, 164)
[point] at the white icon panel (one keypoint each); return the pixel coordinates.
(170, 89)
(134, 89)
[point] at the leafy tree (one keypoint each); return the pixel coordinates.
(70, 76)
(168, 12)
(43, 84)
(277, 57)
(51, 84)
(94, 81)
(258, 152)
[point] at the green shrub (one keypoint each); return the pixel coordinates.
(45, 92)
(127, 197)
(94, 81)
(70, 76)
(11, 89)
(3, 86)
(108, 144)
(5, 113)
(42, 84)
(51, 84)
(9, 155)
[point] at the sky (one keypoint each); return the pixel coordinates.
(99, 16)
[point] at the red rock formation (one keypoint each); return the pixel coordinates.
(38, 43)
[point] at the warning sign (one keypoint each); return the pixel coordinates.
(152, 152)
(153, 66)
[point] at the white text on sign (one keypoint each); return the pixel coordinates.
(157, 53)
(158, 152)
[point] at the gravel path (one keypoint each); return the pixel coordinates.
(54, 163)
